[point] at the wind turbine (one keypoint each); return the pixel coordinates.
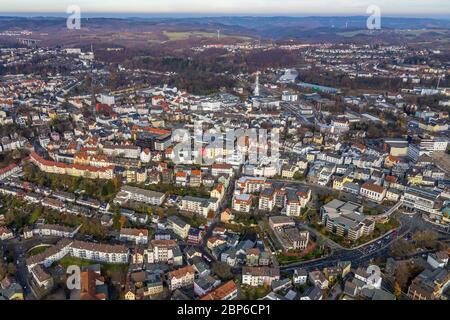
(439, 82)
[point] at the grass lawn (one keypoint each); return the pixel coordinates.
(71, 261)
(37, 250)
(382, 228)
(286, 259)
(283, 259)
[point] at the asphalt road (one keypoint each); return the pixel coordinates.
(19, 251)
(368, 252)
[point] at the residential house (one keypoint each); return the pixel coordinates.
(178, 226)
(318, 279)
(180, 278)
(138, 236)
(226, 291)
(259, 276)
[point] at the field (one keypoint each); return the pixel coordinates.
(419, 32)
(350, 34)
(404, 33)
(179, 36)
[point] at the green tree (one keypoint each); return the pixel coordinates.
(35, 215)
(299, 176)
(116, 221)
(222, 270)
(11, 269)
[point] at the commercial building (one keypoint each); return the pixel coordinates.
(346, 219)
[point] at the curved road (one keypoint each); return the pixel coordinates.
(378, 248)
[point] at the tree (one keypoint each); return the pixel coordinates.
(299, 176)
(425, 239)
(401, 276)
(116, 221)
(402, 248)
(3, 268)
(222, 270)
(397, 290)
(116, 183)
(11, 269)
(36, 214)
(122, 221)
(404, 273)
(160, 212)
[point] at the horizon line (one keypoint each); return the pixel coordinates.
(124, 15)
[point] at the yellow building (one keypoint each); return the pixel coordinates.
(154, 289)
(338, 183)
(318, 138)
(130, 295)
(415, 180)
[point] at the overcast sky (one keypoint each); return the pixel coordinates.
(266, 7)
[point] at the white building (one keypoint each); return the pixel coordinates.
(138, 236)
(373, 192)
(140, 195)
(52, 230)
(242, 202)
(99, 252)
(146, 156)
(180, 278)
(438, 259)
(300, 277)
(259, 276)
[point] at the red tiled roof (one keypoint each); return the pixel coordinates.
(373, 187)
(221, 292)
(50, 163)
(8, 168)
(182, 272)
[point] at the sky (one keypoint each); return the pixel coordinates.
(413, 8)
